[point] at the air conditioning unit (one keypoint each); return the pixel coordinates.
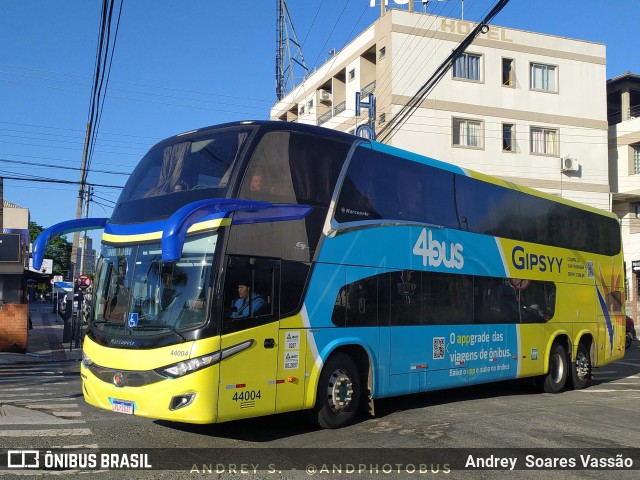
(325, 96)
(569, 164)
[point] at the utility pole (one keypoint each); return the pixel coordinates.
(285, 80)
(83, 253)
(81, 192)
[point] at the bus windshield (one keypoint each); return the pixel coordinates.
(179, 171)
(138, 294)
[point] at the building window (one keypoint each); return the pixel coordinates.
(301, 111)
(508, 73)
(467, 133)
(467, 67)
(508, 137)
(382, 118)
(382, 52)
(352, 74)
(636, 158)
(543, 77)
(310, 104)
(544, 141)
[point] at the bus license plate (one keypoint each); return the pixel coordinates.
(122, 406)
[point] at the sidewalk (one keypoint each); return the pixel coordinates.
(44, 342)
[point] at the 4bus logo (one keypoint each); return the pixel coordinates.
(435, 252)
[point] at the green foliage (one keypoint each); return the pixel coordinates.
(58, 248)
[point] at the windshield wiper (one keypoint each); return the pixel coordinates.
(159, 327)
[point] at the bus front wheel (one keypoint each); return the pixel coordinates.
(338, 395)
(556, 378)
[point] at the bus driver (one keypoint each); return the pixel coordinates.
(248, 302)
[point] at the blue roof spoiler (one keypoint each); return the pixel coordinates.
(176, 227)
(77, 225)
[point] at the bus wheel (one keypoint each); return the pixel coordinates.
(338, 396)
(581, 371)
(556, 377)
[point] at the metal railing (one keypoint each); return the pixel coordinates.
(368, 89)
(325, 117)
(339, 108)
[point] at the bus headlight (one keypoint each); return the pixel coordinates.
(86, 360)
(189, 366)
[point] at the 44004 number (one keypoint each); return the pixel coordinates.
(245, 395)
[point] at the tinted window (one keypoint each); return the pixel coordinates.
(293, 278)
(411, 297)
(290, 167)
(486, 208)
(251, 293)
(447, 298)
(495, 301)
(380, 186)
(539, 220)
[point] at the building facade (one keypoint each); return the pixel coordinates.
(513, 105)
(85, 249)
(14, 309)
(624, 156)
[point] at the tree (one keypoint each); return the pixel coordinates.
(58, 248)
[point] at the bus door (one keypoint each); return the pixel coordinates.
(247, 386)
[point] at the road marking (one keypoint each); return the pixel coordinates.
(20, 395)
(66, 414)
(59, 432)
(633, 364)
(608, 390)
(52, 406)
(52, 399)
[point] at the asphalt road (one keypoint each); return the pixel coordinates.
(41, 407)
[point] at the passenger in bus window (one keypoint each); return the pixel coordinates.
(248, 303)
(179, 186)
(257, 183)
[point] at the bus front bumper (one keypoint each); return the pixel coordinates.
(190, 399)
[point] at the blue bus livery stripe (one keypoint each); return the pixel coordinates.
(607, 319)
(414, 157)
(452, 251)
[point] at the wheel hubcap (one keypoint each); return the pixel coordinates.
(582, 366)
(339, 390)
(557, 368)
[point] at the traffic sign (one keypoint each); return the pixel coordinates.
(519, 284)
(83, 281)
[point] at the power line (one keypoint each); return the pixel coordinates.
(407, 110)
(55, 180)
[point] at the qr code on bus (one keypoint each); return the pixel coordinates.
(438, 348)
(590, 273)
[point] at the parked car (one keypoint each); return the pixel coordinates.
(631, 332)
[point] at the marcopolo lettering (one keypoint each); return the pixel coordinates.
(523, 260)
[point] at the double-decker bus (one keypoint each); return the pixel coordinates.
(261, 267)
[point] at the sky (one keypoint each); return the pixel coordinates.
(185, 64)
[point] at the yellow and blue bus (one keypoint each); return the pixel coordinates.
(261, 267)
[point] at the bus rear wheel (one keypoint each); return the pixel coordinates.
(556, 378)
(581, 370)
(338, 395)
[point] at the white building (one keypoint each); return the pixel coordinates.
(519, 105)
(624, 157)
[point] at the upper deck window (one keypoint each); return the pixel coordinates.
(291, 167)
(175, 173)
